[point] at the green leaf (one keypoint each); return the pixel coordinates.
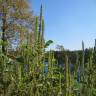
(20, 59)
(39, 85)
(48, 43)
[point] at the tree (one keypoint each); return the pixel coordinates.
(16, 22)
(15, 17)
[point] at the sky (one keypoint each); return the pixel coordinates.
(68, 22)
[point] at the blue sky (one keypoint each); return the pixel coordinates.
(68, 22)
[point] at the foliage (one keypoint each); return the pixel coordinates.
(24, 70)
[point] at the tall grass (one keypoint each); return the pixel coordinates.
(22, 71)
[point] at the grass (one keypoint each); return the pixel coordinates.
(22, 70)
